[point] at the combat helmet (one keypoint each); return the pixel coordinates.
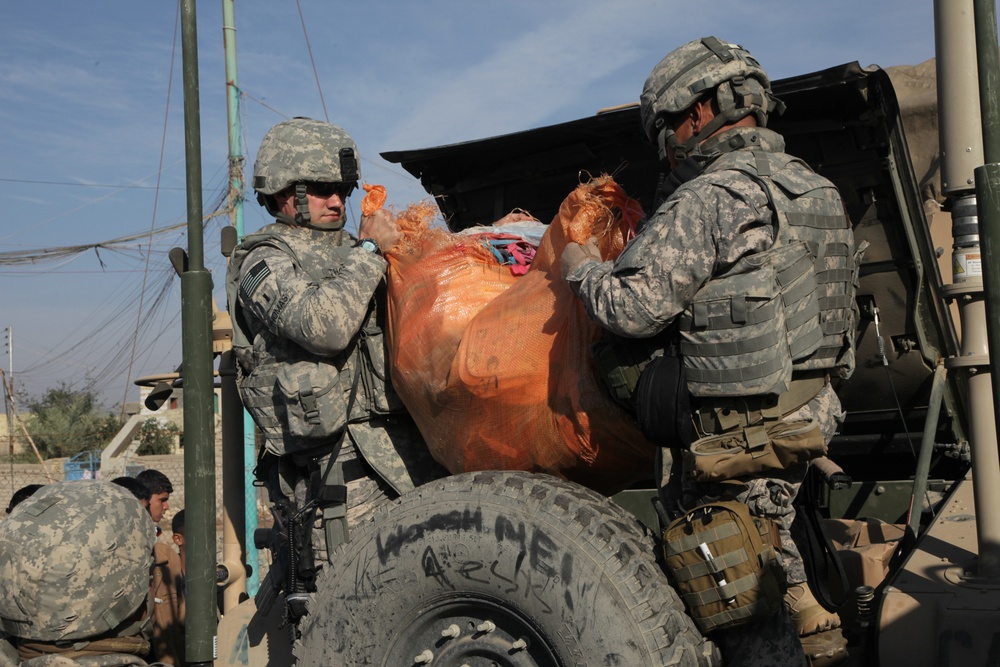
(302, 150)
(690, 72)
(74, 563)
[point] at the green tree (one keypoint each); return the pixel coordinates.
(156, 438)
(66, 421)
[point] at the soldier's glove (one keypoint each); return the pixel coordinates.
(575, 254)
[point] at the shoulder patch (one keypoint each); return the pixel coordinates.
(254, 277)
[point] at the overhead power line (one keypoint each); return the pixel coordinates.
(91, 185)
(41, 255)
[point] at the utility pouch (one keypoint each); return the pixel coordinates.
(313, 400)
(753, 449)
(295, 404)
(722, 561)
(382, 399)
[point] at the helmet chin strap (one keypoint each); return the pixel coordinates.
(303, 218)
(691, 147)
(695, 162)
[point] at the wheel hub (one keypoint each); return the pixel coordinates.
(469, 632)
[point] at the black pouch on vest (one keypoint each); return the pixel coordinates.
(662, 402)
(619, 363)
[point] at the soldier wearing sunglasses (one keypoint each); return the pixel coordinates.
(307, 308)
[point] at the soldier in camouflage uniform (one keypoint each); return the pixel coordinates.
(74, 576)
(308, 313)
(748, 265)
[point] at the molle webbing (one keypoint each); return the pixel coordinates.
(784, 309)
(299, 400)
(827, 234)
(723, 565)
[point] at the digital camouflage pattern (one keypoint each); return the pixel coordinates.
(299, 150)
(106, 660)
(703, 228)
(788, 307)
(772, 642)
(301, 304)
(74, 562)
(678, 249)
(9, 658)
(773, 495)
(394, 450)
(692, 71)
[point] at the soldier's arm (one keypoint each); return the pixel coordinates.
(321, 317)
(656, 275)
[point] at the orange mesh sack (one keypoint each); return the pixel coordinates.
(496, 369)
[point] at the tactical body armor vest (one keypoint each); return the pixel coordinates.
(299, 399)
(790, 308)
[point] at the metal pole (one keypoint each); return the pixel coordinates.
(962, 142)
(927, 448)
(199, 395)
(236, 187)
(988, 200)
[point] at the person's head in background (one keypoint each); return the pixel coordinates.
(137, 488)
(159, 489)
(177, 526)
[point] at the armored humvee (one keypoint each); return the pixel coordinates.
(512, 568)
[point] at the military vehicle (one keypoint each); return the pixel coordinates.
(513, 568)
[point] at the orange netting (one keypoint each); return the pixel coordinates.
(496, 369)
(374, 198)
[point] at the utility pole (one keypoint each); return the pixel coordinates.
(199, 418)
(240, 421)
(8, 402)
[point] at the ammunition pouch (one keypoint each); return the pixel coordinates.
(297, 404)
(745, 435)
(329, 488)
(723, 562)
(313, 399)
(751, 450)
(381, 398)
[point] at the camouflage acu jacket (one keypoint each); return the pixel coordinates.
(700, 260)
(306, 335)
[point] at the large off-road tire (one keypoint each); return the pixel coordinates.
(498, 569)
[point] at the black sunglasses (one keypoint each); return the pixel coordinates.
(327, 190)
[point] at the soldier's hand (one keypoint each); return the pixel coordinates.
(574, 255)
(381, 227)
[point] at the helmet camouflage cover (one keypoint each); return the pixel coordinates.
(692, 71)
(74, 561)
(301, 150)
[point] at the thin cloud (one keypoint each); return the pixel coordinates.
(522, 81)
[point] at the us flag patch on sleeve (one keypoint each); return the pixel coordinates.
(254, 277)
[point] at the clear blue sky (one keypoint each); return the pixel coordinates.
(88, 104)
